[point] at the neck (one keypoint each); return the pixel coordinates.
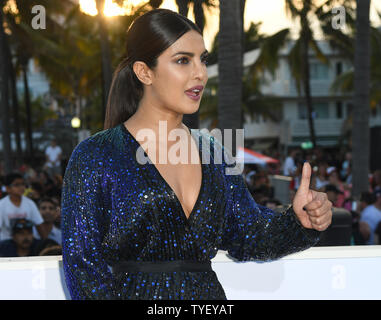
(15, 198)
(152, 117)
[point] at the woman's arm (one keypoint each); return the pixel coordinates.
(255, 232)
(83, 221)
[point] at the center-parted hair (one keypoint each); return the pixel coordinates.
(147, 37)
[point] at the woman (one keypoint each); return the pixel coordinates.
(148, 231)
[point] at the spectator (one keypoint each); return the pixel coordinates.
(332, 193)
(34, 192)
(320, 180)
(345, 166)
(370, 218)
(376, 181)
(22, 242)
(49, 213)
(15, 205)
(289, 164)
(53, 186)
(334, 179)
(53, 155)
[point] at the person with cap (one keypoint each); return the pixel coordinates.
(371, 218)
(22, 243)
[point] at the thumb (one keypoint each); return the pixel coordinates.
(306, 178)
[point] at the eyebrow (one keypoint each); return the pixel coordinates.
(191, 54)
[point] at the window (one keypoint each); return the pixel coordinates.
(339, 68)
(302, 111)
(339, 110)
(318, 71)
(320, 110)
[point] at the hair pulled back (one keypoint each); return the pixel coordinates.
(147, 37)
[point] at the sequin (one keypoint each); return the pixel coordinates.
(115, 209)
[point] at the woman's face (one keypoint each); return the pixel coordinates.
(177, 72)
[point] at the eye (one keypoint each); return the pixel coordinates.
(182, 59)
(205, 60)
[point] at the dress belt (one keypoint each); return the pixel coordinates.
(162, 266)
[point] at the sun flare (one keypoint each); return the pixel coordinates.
(111, 9)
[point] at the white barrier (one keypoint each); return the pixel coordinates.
(351, 272)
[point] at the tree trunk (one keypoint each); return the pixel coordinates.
(307, 85)
(4, 101)
(230, 68)
(15, 104)
(29, 130)
(183, 6)
(243, 49)
(106, 55)
(360, 132)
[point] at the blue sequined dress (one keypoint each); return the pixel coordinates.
(115, 209)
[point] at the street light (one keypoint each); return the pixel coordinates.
(76, 123)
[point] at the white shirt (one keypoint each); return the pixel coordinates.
(372, 216)
(55, 234)
(8, 211)
(53, 153)
(289, 166)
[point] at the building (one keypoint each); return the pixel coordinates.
(330, 108)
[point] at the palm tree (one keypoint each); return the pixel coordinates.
(299, 54)
(106, 55)
(360, 134)
(230, 67)
(362, 47)
(254, 103)
(4, 105)
(26, 45)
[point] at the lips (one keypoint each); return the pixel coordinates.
(197, 88)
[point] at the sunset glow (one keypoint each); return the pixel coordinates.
(111, 9)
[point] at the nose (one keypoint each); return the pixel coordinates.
(200, 71)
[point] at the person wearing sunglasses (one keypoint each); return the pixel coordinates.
(15, 206)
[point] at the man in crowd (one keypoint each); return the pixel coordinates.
(22, 242)
(371, 218)
(53, 155)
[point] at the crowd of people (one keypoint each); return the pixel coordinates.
(30, 201)
(332, 174)
(30, 198)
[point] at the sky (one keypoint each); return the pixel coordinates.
(270, 12)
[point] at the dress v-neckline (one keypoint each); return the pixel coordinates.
(195, 206)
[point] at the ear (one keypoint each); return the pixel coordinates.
(143, 72)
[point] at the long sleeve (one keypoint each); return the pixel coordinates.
(83, 223)
(255, 232)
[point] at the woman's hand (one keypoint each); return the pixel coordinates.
(312, 208)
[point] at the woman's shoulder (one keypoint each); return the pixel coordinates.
(97, 146)
(213, 150)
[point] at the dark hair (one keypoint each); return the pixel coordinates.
(368, 198)
(147, 37)
(46, 199)
(9, 178)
